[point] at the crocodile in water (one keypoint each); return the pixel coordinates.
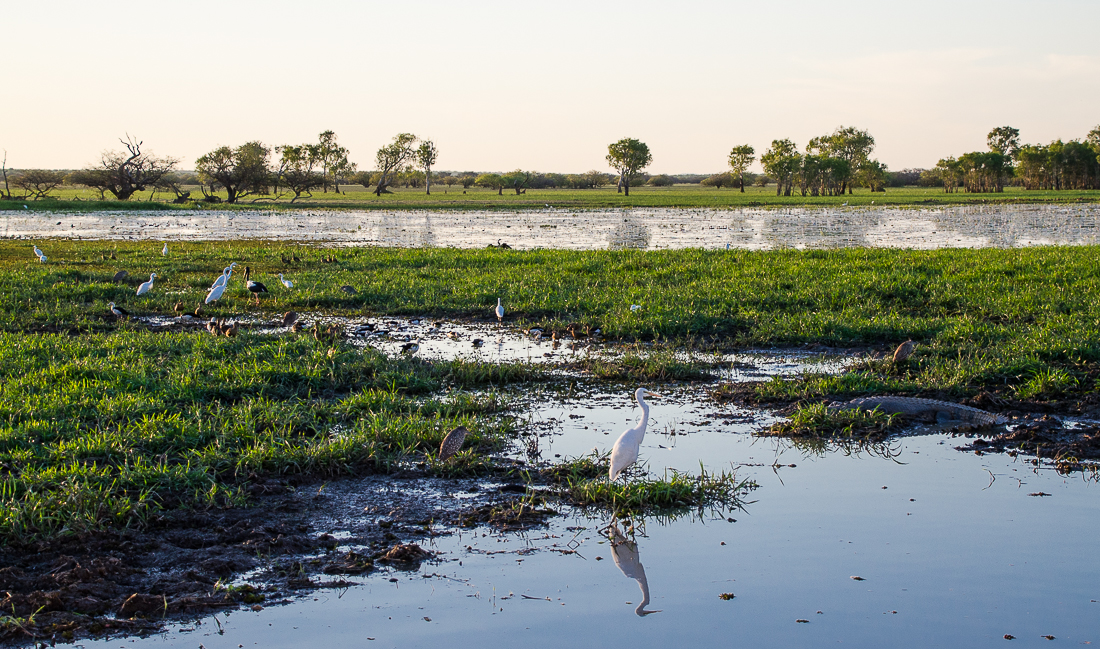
(927, 409)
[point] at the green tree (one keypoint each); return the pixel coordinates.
(124, 173)
(847, 143)
(781, 161)
(392, 158)
(741, 157)
(427, 155)
(872, 175)
(718, 180)
(333, 159)
(297, 169)
(242, 171)
(628, 156)
(1004, 140)
(38, 183)
(491, 181)
(517, 180)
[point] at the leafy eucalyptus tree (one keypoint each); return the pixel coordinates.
(781, 161)
(740, 158)
(628, 156)
(297, 170)
(393, 158)
(333, 159)
(242, 171)
(1004, 140)
(427, 155)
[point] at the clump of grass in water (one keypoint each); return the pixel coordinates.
(819, 421)
(576, 470)
(656, 366)
(675, 491)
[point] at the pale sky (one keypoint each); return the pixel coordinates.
(543, 86)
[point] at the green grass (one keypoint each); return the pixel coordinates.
(675, 491)
(103, 430)
(359, 198)
(105, 424)
(817, 420)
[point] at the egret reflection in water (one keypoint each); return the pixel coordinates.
(625, 553)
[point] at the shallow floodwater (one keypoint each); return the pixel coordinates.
(951, 549)
(1001, 226)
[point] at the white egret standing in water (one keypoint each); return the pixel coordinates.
(625, 451)
(146, 286)
(500, 311)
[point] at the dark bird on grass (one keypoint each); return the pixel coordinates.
(255, 287)
(118, 311)
(289, 318)
(452, 443)
(503, 245)
(198, 310)
(411, 347)
(904, 351)
(348, 289)
(297, 326)
(178, 308)
(119, 276)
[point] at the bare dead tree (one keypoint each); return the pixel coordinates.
(124, 173)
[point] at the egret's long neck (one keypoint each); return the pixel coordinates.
(645, 413)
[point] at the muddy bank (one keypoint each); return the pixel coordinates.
(186, 564)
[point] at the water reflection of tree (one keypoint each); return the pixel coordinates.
(629, 234)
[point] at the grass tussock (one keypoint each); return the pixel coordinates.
(819, 421)
(675, 491)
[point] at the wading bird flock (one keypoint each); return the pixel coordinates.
(623, 454)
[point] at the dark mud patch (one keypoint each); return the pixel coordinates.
(1045, 439)
(185, 564)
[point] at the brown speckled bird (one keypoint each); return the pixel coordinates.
(904, 351)
(452, 443)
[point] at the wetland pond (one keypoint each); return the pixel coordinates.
(1001, 226)
(908, 543)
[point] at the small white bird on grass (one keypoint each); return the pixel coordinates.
(625, 451)
(146, 286)
(37, 252)
(500, 311)
(286, 282)
(164, 250)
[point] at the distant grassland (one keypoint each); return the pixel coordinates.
(360, 198)
(104, 424)
(983, 317)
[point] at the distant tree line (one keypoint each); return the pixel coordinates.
(830, 165)
(1059, 165)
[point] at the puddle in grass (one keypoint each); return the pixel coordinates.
(1001, 226)
(950, 549)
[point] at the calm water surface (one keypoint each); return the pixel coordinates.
(1003, 226)
(952, 550)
